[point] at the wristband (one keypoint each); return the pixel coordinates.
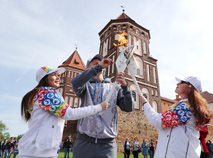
(144, 103)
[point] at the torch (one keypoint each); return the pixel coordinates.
(125, 59)
(121, 63)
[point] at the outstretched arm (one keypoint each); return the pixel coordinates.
(78, 113)
(153, 117)
(178, 114)
(51, 101)
(79, 82)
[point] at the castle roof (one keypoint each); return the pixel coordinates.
(208, 96)
(124, 18)
(74, 61)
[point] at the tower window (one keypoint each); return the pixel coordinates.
(134, 95)
(145, 96)
(137, 32)
(138, 71)
(76, 62)
(131, 27)
(119, 28)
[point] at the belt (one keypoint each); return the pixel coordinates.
(95, 140)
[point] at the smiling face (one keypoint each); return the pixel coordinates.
(53, 79)
(181, 89)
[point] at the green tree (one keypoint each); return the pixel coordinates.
(2, 129)
(19, 136)
(7, 135)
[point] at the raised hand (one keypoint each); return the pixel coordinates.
(106, 62)
(104, 105)
(142, 99)
(120, 78)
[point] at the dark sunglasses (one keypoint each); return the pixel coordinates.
(182, 82)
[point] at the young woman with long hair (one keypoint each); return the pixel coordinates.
(179, 126)
(45, 111)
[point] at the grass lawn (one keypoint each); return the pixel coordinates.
(119, 155)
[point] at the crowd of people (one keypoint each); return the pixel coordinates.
(8, 147)
(135, 148)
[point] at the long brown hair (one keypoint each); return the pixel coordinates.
(27, 99)
(202, 112)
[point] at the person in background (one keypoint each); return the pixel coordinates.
(204, 149)
(136, 147)
(97, 133)
(9, 147)
(127, 146)
(145, 147)
(45, 111)
(151, 149)
(209, 146)
(179, 126)
(67, 146)
(15, 150)
(1, 147)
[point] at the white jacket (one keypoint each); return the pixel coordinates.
(178, 136)
(46, 124)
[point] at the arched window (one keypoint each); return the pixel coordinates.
(145, 93)
(137, 32)
(130, 40)
(134, 95)
(144, 47)
(155, 106)
(138, 71)
(140, 66)
(145, 96)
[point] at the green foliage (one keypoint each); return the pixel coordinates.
(2, 129)
(19, 136)
(7, 135)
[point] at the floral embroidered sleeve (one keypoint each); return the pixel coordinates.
(178, 114)
(50, 101)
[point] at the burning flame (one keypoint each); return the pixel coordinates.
(122, 41)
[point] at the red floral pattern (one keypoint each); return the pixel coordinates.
(169, 119)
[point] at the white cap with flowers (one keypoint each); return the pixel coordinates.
(46, 70)
(194, 81)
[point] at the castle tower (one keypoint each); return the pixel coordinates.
(73, 65)
(147, 73)
(133, 124)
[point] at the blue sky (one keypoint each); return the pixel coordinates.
(37, 33)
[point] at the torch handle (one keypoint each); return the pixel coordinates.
(137, 86)
(110, 94)
(111, 91)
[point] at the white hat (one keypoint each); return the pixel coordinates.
(194, 81)
(46, 70)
